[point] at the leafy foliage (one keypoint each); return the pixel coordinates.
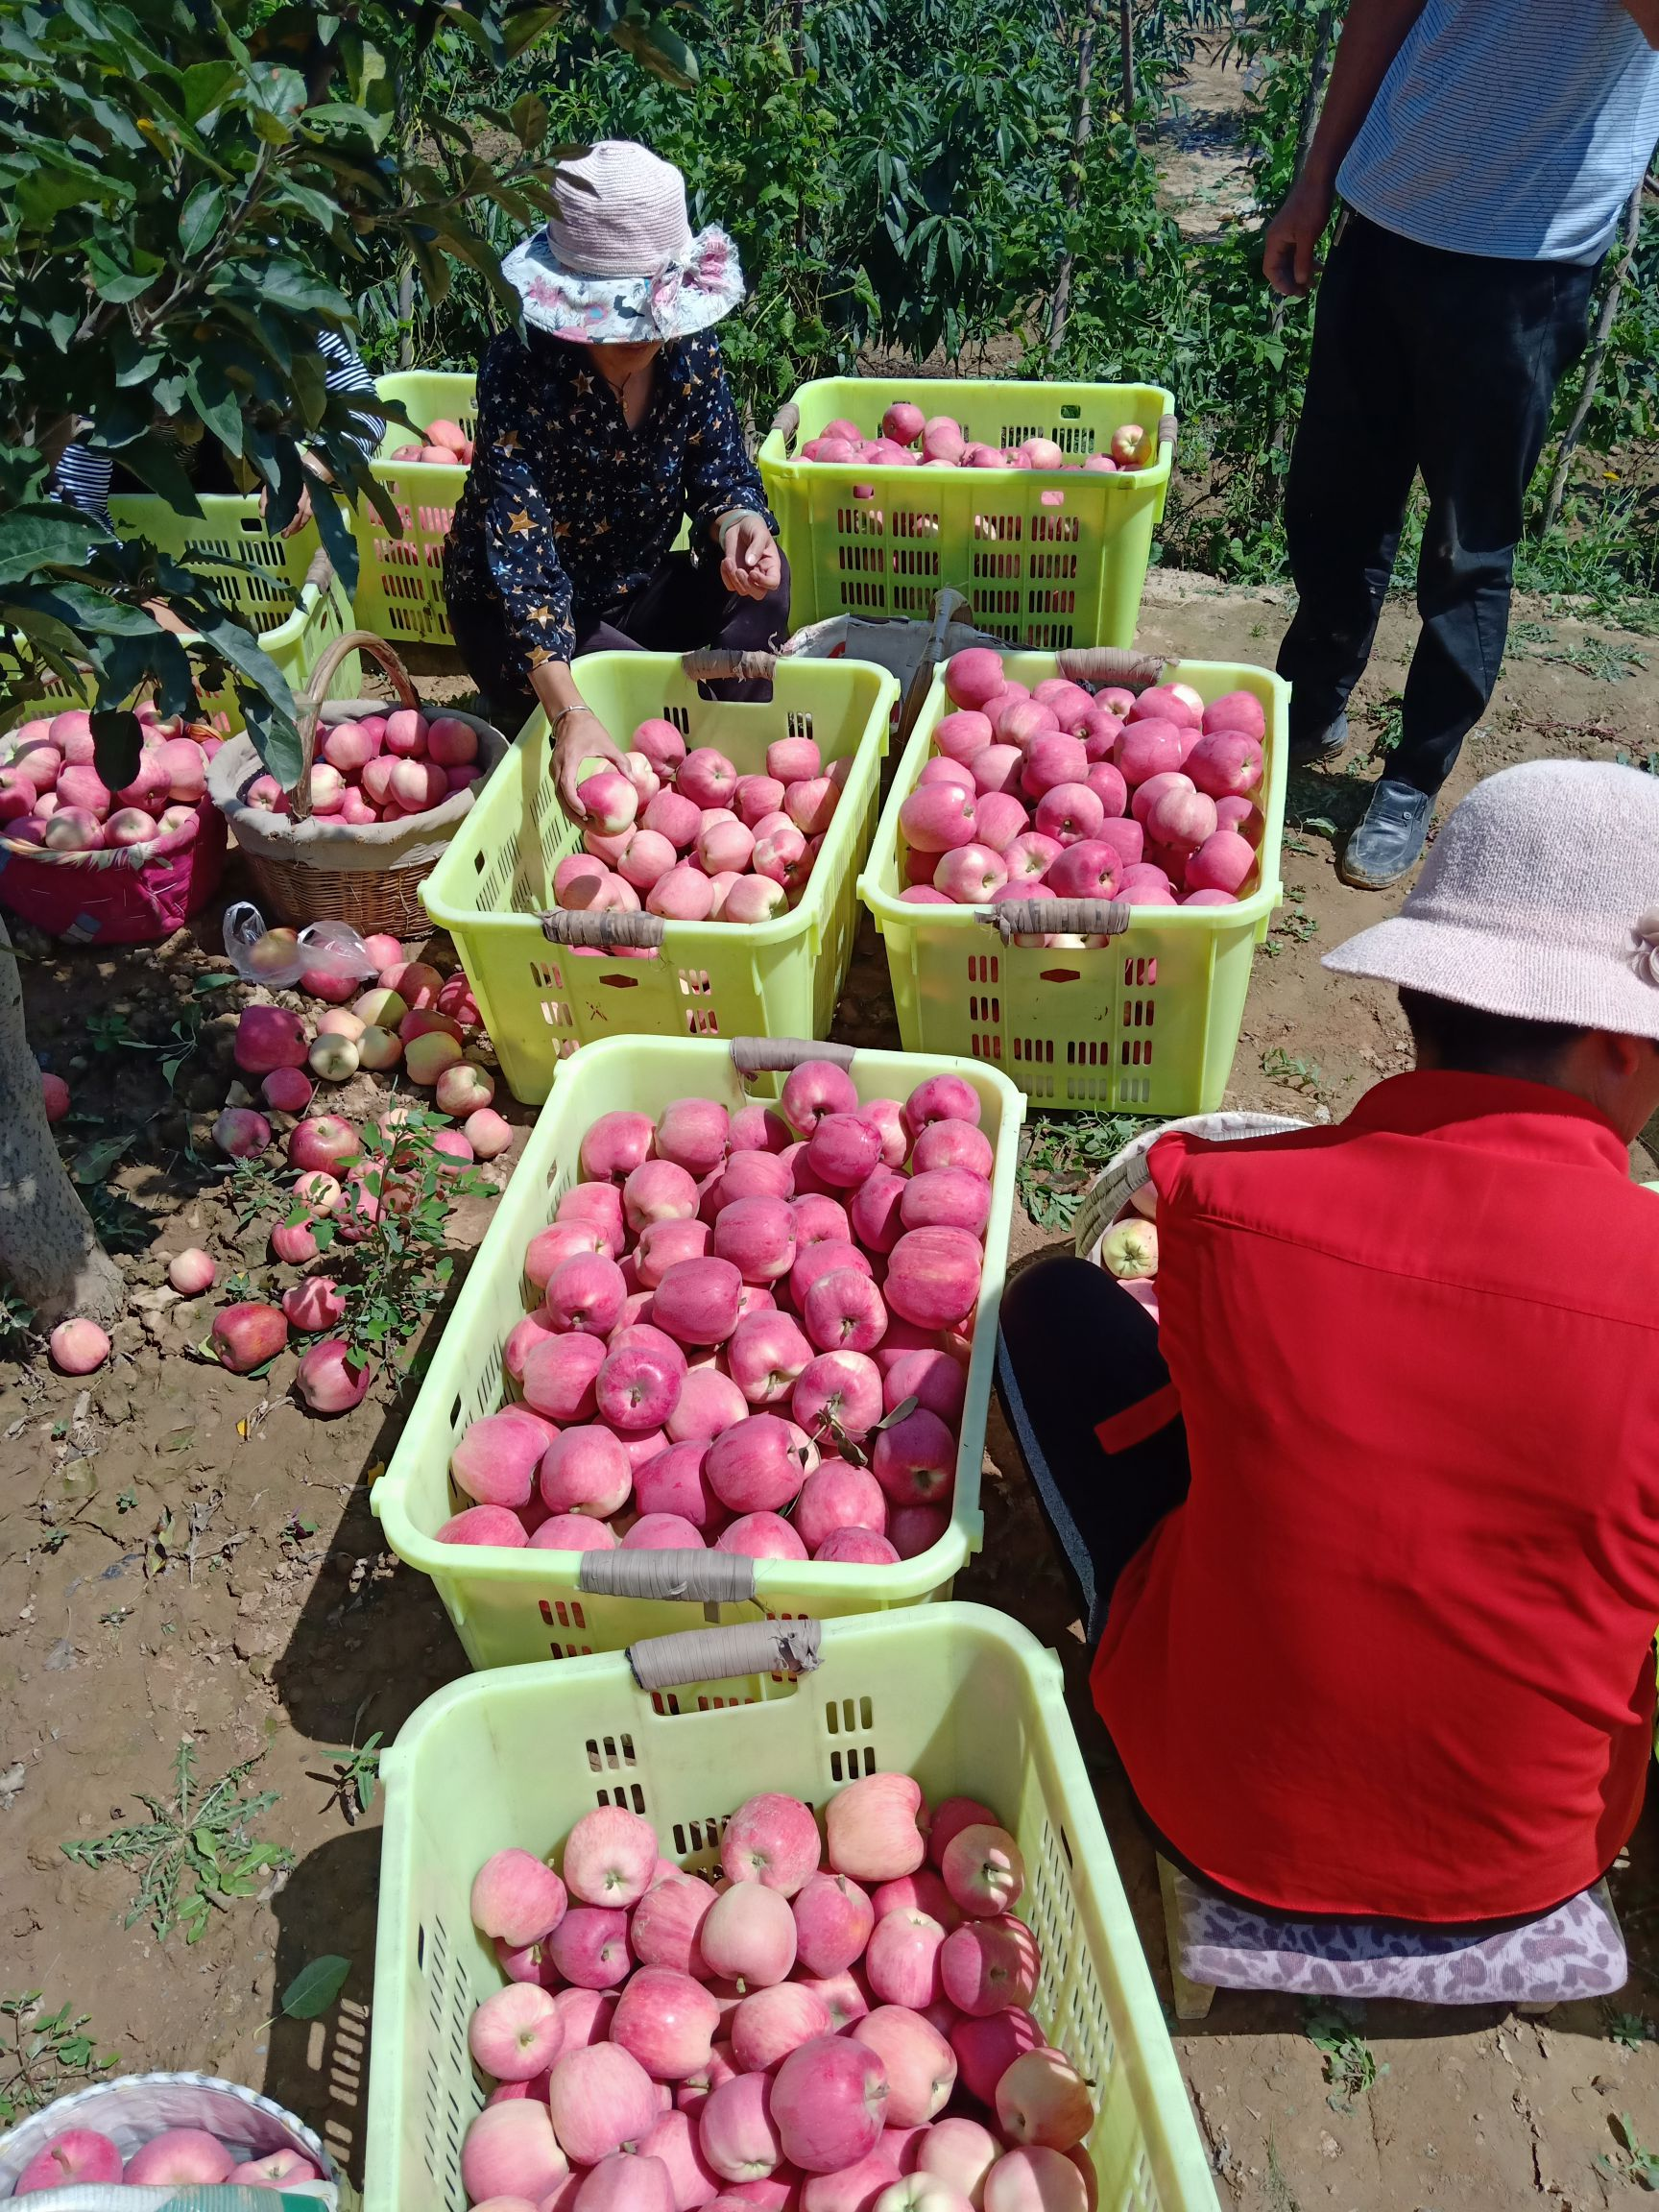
(189, 194)
(44, 2055)
(193, 1854)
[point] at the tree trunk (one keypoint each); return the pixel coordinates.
(407, 316)
(1082, 128)
(49, 1251)
(1595, 361)
(1126, 40)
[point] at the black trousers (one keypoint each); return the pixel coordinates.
(1444, 363)
(1073, 1349)
(684, 607)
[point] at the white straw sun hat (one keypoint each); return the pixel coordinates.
(618, 262)
(1540, 899)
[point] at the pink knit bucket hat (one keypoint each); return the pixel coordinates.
(1540, 899)
(618, 262)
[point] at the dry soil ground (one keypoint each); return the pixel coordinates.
(184, 1553)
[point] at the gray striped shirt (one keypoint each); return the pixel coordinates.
(1516, 129)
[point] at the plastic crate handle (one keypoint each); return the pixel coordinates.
(718, 1577)
(1110, 664)
(716, 665)
(1057, 917)
(723, 1654)
(604, 928)
(1168, 430)
(787, 421)
(777, 1055)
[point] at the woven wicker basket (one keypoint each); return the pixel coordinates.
(1121, 1178)
(308, 868)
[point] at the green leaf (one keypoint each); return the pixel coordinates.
(32, 540)
(661, 51)
(94, 1160)
(528, 118)
(116, 743)
(315, 1987)
(200, 218)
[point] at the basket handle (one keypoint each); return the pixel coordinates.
(1057, 917)
(320, 571)
(719, 1655)
(316, 692)
(1110, 664)
(787, 420)
(1168, 430)
(606, 927)
(776, 1055)
(716, 1578)
(719, 666)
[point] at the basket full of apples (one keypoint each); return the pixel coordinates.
(1037, 500)
(107, 867)
(814, 1917)
(728, 1340)
(140, 2139)
(382, 788)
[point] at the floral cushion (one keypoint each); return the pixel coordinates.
(1575, 1951)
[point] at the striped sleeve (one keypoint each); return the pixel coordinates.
(344, 371)
(81, 480)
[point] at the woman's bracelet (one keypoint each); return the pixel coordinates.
(564, 715)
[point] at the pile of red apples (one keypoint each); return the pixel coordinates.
(835, 2024)
(51, 795)
(751, 1331)
(686, 835)
(444, 445)
(1059, 792)
(911, 439)
(382, 768)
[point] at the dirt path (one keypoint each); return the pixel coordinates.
(181, 1552)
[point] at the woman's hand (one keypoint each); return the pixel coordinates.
(751, 566)
(582, 737)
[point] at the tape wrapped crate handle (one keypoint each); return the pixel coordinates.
(723, 1654)
(1118, 665)
(1057, 917)
(777, 1055)
(605, 927)
(716, 1578)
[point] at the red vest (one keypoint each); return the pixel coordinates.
(1394, 1655)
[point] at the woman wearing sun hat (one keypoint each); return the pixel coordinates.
(1371, 1514)
(600, 430)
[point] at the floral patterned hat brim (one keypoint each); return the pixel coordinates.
(687, 293)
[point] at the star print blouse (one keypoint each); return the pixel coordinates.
(565, 506)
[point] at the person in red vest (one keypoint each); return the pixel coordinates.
(1367, 1522)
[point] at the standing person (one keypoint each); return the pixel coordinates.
(1482, 151)
(599, 430)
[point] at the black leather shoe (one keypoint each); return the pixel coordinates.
(1390, 841)
(1308, 752)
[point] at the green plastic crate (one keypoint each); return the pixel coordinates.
(960, 1696)
(262, 577)
(778, 978)
(1045, 560)
(401, 580)
(1147, 1023)
(511, 1605)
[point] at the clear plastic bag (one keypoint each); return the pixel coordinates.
(330, 948)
